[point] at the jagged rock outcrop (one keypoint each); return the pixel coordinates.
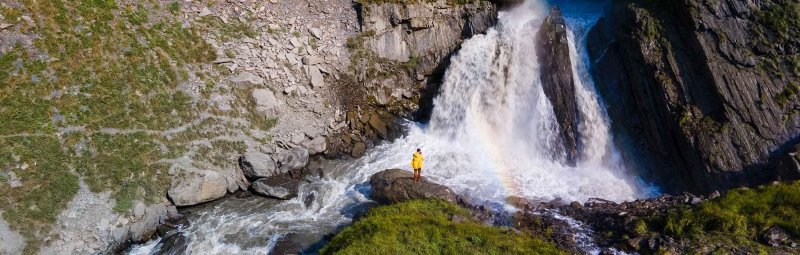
(427, 31)
(396, 185)
(552, 48)
(702, 92)
(396, 65)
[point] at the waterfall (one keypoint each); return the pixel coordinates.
(491, 135)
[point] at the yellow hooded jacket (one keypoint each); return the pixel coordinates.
(416, 160)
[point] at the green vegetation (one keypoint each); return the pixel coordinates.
(88, 97)
(412, 62)
(783, 19)
(741, 212)
(31, 209)
(427, 227)
(789, 92)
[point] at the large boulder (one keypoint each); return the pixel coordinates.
(256, 164)
(198, 186)
(396, 185)
(552, 48)
(293, 159)
(279, 186)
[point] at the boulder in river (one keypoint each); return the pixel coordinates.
(396, 185)
(279, 186)
(172, 243)
(256, 164)
(197, 187)
(293, 159)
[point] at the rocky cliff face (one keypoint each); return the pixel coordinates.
(702, 92)
(397, 62)
(557, 81)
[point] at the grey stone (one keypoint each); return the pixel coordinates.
(280, 187)
(396, 185)
(255, 164)
(247, 79)
(197, 187)
(142, 230)
(293, 159)
(316, 145)
(205, 12)
(138, 210)
(316, 32)
(775, 236)
(312, 60)
(358, 150)
(13, 180)
(316, 77)
(266, 102)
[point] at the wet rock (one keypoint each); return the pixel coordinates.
(520, 202)
(396, 185)
(280, 187)
(557, 80)
(376, 123)
(142, 230)
(196, 187)
(174, 243)
(285, 245)
(358, 150)
(775, 236)
(293, 159)
(309, 199)
(256, 164)
(714, 195)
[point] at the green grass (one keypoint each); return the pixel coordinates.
(740, 213)
(425, 227)
(106, 66)
(48, 186)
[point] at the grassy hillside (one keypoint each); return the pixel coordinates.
(103, 91)
(430, 227)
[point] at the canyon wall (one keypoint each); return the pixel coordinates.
(702, 94)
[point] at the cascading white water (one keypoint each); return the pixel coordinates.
(492, 135)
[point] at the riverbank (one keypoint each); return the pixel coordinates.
(758, 220)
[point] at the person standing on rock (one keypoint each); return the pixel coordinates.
(416, 164)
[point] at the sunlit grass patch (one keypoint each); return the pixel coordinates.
(48, 185)
(426, 227)
(741, 212)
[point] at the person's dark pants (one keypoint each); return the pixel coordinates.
(417, 174)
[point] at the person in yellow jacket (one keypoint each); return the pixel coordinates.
(416, 164)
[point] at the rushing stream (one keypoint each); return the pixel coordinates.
(491, 136)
